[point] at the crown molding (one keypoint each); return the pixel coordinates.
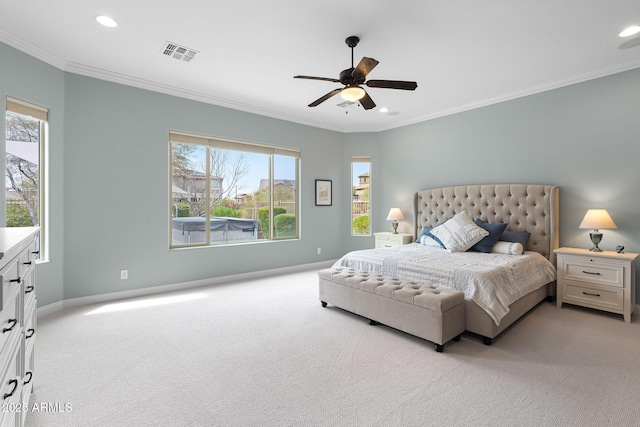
(42, 54)
(31, 49)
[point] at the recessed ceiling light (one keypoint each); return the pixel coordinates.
(106, 21)
(629, 31)
(384, 110)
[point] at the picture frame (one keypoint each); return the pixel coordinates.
(323, 192)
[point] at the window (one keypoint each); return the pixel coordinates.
(360, 195)
(225, 192)
(26, 130)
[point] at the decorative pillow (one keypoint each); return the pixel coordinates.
(509, 248)
(495, 231)
(428, 239)
(459, 233)
(516, 237)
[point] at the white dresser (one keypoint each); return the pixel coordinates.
(601, 280)
(17, 321)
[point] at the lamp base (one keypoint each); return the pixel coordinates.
(596, 237)
(395, 227)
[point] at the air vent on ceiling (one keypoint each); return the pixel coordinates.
(178, 52)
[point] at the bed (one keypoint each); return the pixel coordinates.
(488, 312)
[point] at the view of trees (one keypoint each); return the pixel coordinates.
(23, 176)
(190, 179)
(228, 172)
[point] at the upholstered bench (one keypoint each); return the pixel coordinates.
(432, 313)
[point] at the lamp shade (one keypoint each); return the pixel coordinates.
(596, 219)
(395, 215)
(352, 93)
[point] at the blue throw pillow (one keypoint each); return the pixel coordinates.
(426, 231)
(516, 237)
(495, 232)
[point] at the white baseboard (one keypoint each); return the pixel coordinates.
(154, 290)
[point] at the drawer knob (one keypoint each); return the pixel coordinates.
(591, 272)
(18, 280)
(30, 333)
(13, 323)
(30, 378)
(28, 263)
(29, 289)
(590, 294)
(15, 386)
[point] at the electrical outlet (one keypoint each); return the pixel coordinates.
(319, 251)
(124, 274)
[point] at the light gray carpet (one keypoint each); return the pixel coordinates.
(265, 353)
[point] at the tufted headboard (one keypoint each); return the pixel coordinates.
(532, 208)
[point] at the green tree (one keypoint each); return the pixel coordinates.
(263, 218)
(284, 225)
(361, 225)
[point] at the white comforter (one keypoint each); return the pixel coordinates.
(493, 281)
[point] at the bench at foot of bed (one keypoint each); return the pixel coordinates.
(434, 314)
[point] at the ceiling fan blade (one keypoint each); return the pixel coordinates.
(317, 78)
(366, 102)
(364, 67)
(325, 97)
(392, 84)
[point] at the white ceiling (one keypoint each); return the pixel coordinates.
(463, 53)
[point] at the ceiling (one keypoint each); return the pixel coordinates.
(463, 54)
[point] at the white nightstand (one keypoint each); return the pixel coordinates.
(388, 239)
(601, 280)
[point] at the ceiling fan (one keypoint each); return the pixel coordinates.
(352, 78)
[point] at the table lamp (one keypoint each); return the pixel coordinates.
(395, 215)
(596, 219)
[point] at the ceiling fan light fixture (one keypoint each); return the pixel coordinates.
(630, 31)
(352, 93)
(107, 21)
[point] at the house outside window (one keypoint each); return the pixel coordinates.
(360, 196)
(26, 130)
(228, 192)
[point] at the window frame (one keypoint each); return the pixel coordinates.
(35, 112)
(361, 159)
(232, 145)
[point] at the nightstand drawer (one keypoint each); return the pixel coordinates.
(387, 243)
(390, 240)
(609, 298)
(598, 272)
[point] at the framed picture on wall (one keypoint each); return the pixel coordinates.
(323, 192)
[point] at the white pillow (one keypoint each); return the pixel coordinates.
(459, 233)
(509, 248)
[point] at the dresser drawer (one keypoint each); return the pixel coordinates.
(29, 288)
(11, 388)
(30, 327)
(27, 380)
(27, 258)
(583, 270)
(10, 325)
(598, 297)
(10, 280)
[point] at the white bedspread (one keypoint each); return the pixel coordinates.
(493, 281)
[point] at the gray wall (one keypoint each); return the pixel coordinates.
(584, 138)
(109, 173)
(116, 189)
(28, 79)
